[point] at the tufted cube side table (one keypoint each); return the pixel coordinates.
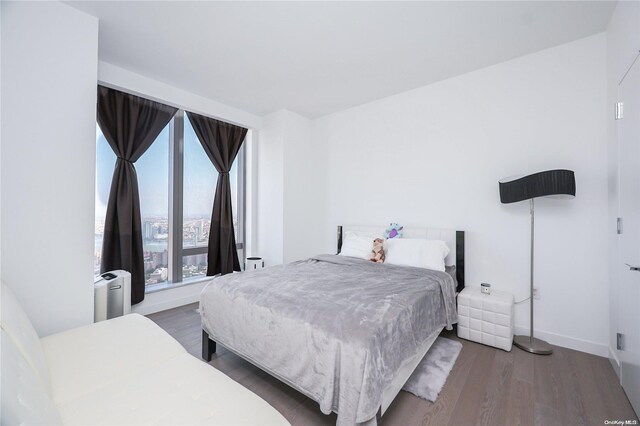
(486, 318)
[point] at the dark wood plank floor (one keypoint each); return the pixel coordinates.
(486, 387)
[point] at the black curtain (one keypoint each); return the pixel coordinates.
(221, 141)
(130, 124)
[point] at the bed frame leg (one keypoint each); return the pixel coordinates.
(208, 346)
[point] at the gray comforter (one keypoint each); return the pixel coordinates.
(336, 328)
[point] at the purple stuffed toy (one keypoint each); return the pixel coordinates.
(393, 231)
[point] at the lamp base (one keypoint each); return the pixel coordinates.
(533, 345)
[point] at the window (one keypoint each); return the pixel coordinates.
(177, 184)
(198, 194)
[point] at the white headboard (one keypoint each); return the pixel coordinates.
(453, 238)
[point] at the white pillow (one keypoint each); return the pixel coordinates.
(356, 246)
(416, 252)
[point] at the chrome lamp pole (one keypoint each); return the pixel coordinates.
(530, 343)
(550, 183)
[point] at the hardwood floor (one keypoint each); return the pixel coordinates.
(486, 387)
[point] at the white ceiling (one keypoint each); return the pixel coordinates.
(316, 58)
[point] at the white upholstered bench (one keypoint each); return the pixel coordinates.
(486, 318)
(123, 371)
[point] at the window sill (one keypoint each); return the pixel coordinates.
(168, 285)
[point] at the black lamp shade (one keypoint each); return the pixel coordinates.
(543, 184)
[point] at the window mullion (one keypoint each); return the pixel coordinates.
(176, 179)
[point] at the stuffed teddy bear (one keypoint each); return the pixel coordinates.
(393, 230)
(378, 251)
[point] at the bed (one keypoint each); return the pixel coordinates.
(346, 332)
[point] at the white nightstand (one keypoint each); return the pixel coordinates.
(486, 318)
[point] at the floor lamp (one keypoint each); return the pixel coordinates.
(550, 183)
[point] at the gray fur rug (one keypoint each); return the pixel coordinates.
(427, 380)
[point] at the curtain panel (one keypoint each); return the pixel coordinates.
(221, 141)
(130, 124)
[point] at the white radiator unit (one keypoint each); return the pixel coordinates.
(111, 295)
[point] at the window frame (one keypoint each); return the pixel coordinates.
(176, 203)
(176, 251)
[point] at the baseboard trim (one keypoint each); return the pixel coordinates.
(567, 342)
(615, 362)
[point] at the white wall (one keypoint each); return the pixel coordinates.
(623, 45)
(49, 72)
(270, 188)
(170, 298)
(433, 157)
(304, 195)
(291, 203)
